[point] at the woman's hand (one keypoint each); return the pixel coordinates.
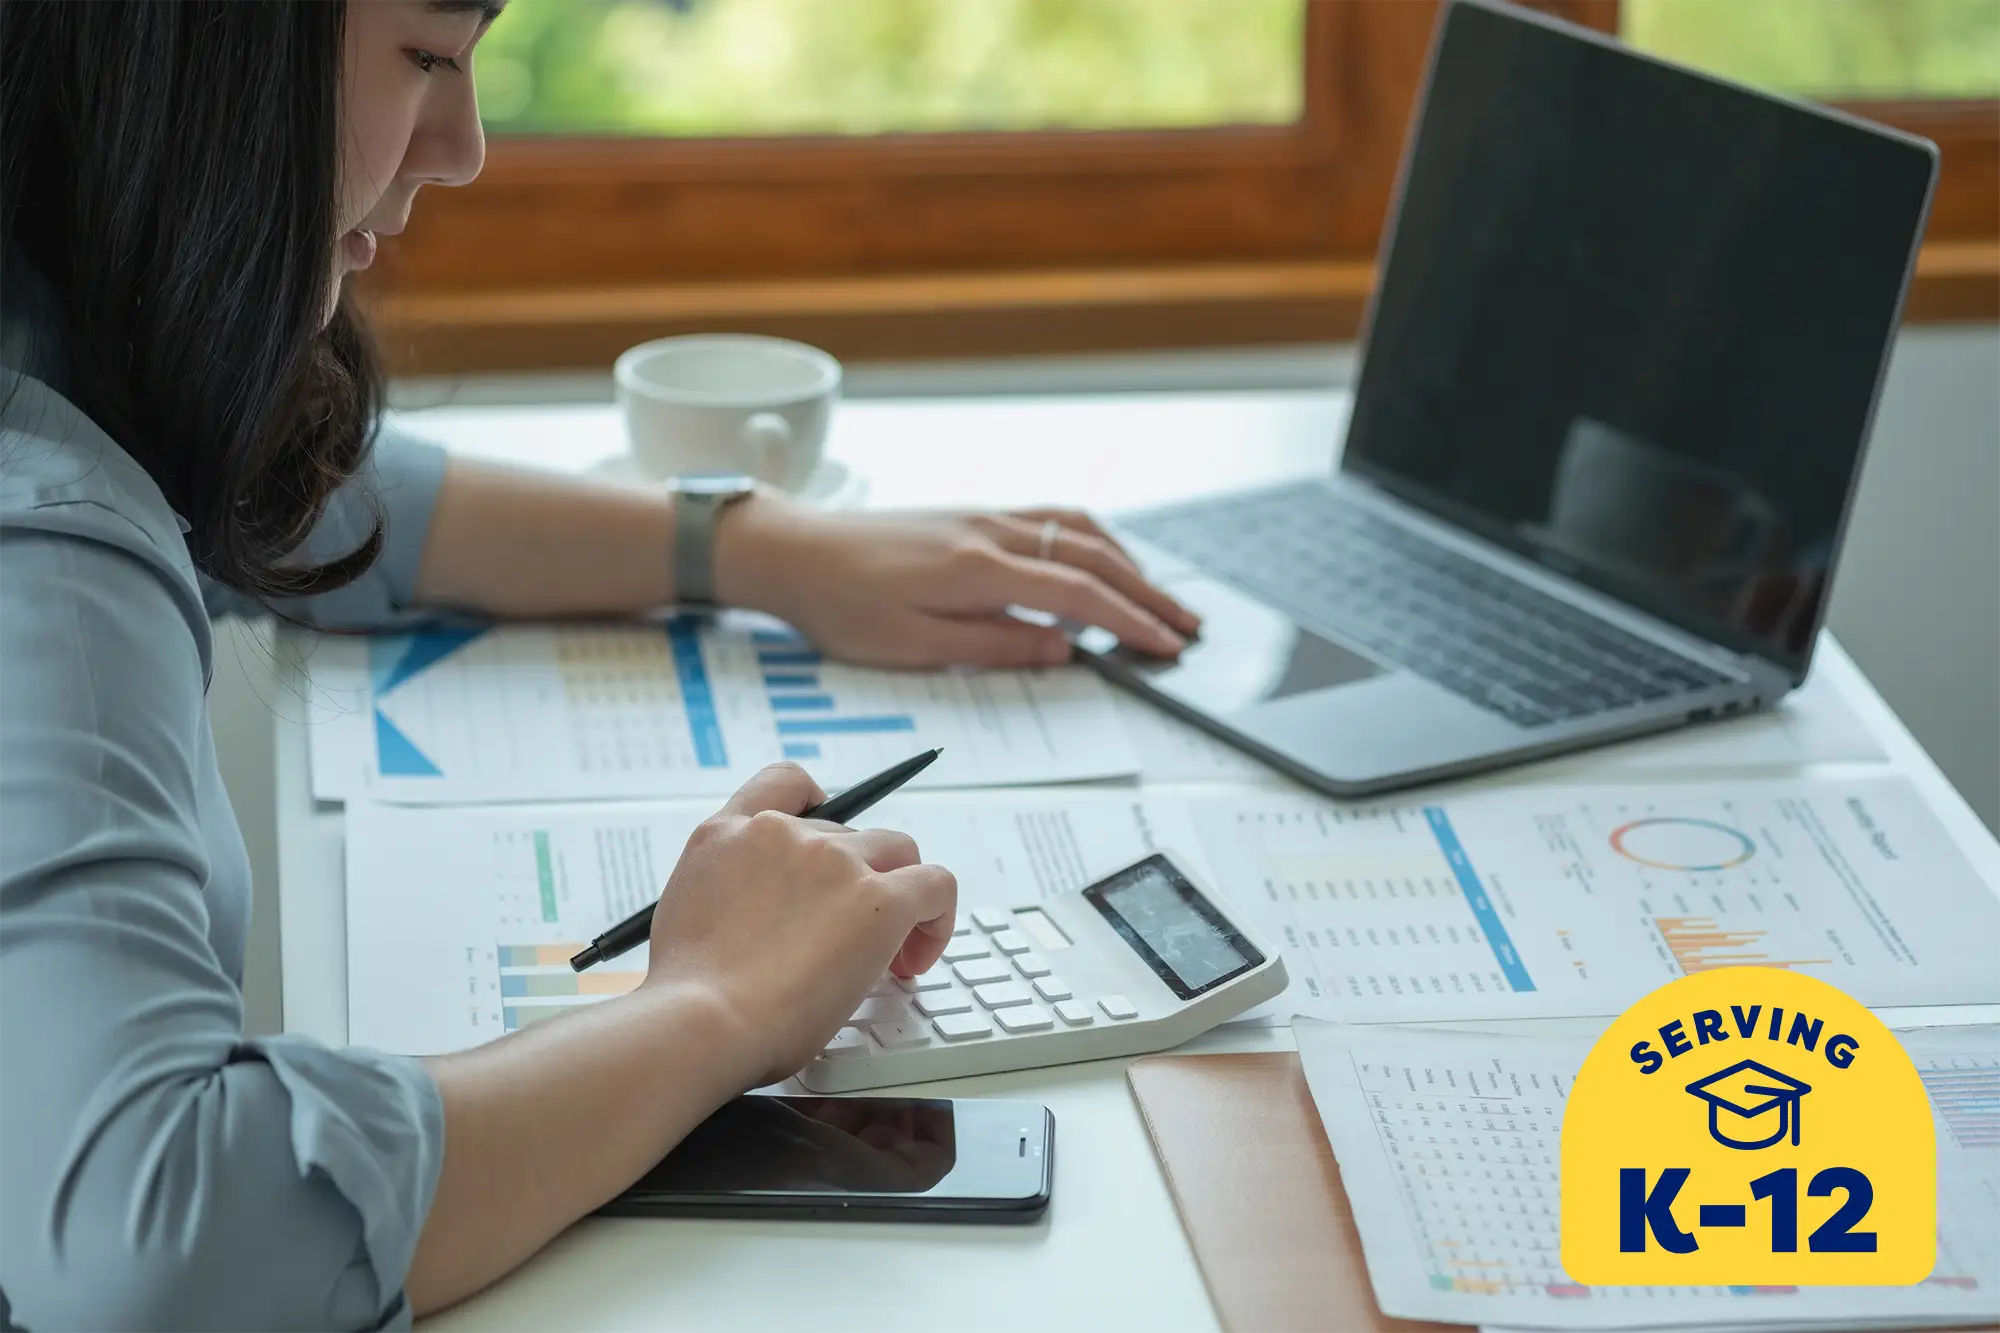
(790, 921)
(916, 589)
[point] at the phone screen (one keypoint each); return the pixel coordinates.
(883, 1148)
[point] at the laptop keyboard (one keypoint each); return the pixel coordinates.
(1452, 620)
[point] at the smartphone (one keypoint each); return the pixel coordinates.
(865, 1159)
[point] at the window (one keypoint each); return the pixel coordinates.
(1083, 175)
(731, 68)
(1831, 49)
(895, 178)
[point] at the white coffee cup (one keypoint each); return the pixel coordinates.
(727, 402)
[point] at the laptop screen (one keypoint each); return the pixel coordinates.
(1632, 321)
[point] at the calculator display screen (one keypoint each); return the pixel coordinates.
(1180, 934)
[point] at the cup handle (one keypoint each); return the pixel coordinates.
(769, 436)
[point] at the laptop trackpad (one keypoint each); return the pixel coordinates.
(1249, 654)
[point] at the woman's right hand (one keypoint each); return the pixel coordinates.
(789, 921)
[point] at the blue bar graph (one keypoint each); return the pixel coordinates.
(1475, 897)
(801, 703)
(807, 706)
(843, 726)
(697, 698)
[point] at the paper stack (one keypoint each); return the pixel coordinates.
(1449, 1145)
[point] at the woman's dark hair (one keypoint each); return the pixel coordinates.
(170, 167)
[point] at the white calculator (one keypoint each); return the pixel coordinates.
(1142, 960)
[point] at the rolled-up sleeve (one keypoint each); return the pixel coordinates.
(399, 483)
(157, 1168)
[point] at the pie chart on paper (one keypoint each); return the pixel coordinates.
(1678, 842)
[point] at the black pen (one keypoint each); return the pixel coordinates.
(839, 808)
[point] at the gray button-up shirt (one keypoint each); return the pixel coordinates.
(158, 1169)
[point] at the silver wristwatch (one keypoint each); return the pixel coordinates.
(698, 502)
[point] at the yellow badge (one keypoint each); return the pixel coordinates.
(1748, 1126)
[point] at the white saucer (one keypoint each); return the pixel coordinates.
(833, 485)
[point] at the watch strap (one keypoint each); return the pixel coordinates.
(695, 516)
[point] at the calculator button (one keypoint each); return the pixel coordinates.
(1031, 965)
(938, 978)
(1012, 941)
(1052, 988)
(1028, 1018)
(895, 1036)
(999, 994)
(884, 985)
(932, 1003)
(880, 1011)
(846, 1044)
(1117, 1006)
(981, 970)
(962, 1027)
(992, 918)
(963, 947)
(1075, 1013)
(961, 924)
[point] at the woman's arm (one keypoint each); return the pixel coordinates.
(895, 589)
(161, 1170)
(546, 1124)
(767, 936)
(518, 543)
(157, 1168)
(904, 589)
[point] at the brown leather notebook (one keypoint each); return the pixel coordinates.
(1255, 1181)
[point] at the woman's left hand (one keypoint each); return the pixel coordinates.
(920, 589)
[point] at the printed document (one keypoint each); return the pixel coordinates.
(1449, 1148)
(1534, 902)
(686, 707)
(461, 922)
(1521, 903)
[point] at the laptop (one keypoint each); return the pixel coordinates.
(1625, 346)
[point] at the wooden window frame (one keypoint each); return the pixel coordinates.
(907, 246)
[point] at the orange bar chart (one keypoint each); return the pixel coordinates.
(1699, 943)
(529, 996)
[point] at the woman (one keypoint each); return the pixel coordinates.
(188, 409)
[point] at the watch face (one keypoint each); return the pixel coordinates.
(715, 483)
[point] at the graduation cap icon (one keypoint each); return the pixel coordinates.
(1740, 1096)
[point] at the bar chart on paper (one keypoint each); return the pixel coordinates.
(1547, 902)
(684, 708)
(822, 711)
(461, 922)
(536, 982)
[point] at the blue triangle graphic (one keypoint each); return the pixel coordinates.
(393, 659)
(396, 756)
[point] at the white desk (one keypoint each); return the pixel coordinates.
(1111, 1253)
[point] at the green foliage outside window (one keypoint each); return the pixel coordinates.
(1830, 49)
(767, 67)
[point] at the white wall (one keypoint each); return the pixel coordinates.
(1917, 596)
